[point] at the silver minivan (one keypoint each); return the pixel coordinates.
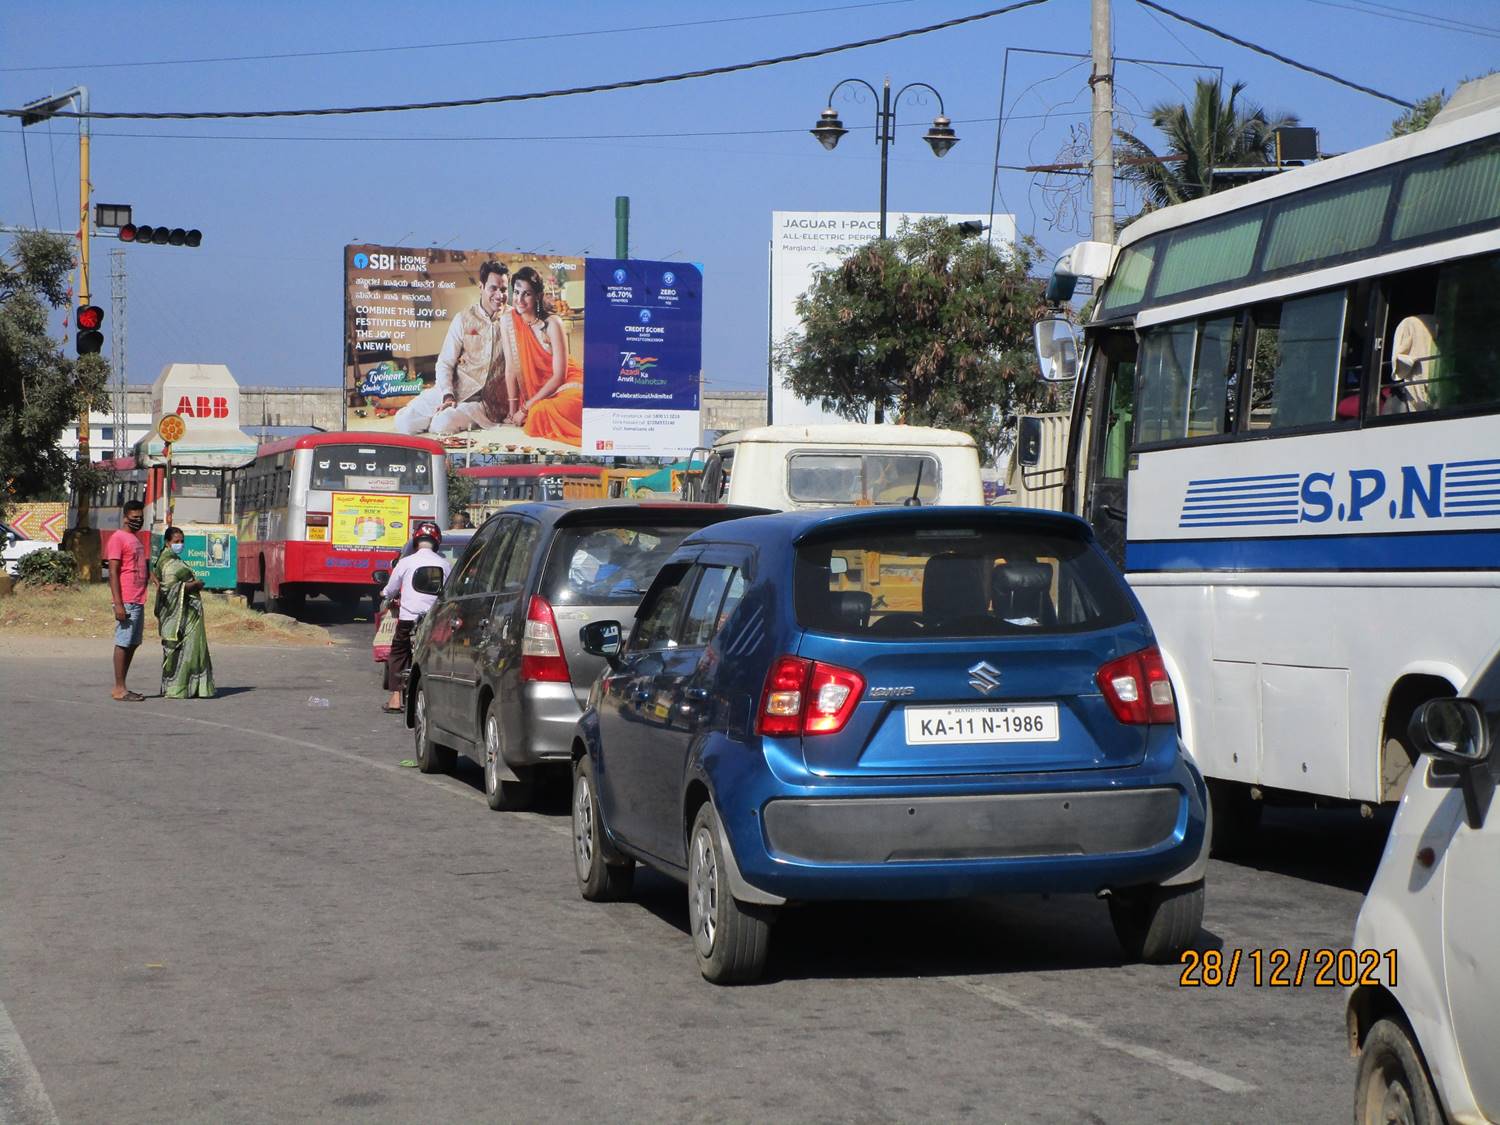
(498, 671)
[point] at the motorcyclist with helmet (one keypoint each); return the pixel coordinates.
(410, 604)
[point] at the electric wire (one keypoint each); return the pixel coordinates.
(26, 155)
(1201, 26)
(456, 43)
(539, 95)
(1421, 19)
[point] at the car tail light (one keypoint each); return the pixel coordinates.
(315, 519)
(541, 651)
(1137, 689)
(807, 697)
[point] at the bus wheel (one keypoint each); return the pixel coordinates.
(289, 602)
(1236, 817)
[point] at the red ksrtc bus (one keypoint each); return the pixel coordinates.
(318, 514)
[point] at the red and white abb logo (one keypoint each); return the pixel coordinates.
(203, 406)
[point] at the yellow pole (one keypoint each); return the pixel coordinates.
(85, 545)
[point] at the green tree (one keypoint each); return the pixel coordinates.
(460, 490)
(42, 392)
(929, 328)
(1214, 132)
(1419, 116)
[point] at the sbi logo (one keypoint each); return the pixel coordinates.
(619, 277)
(669, 278)
(361, 260)
(645, 316)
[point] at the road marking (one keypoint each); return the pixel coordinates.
(23, 1098)
(1183, 1067)
(440, 782)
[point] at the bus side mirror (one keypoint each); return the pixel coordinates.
(1029, 441)
(1056, 350)
(428, 580)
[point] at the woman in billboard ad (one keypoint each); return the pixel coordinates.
(546, 382)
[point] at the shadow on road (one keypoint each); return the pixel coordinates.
(858, 940)
(1333, 847)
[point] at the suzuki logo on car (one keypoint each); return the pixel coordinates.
(984, 677)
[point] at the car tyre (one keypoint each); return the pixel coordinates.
(502, 795)
(1156, 924)
(431, 758)
(601, 876)
(730, 937)
(1236, 817)
(1393, 1083)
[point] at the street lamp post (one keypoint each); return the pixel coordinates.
(940, 138)
(830, 129)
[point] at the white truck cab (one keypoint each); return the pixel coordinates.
(787, 467)
(1426, 1020)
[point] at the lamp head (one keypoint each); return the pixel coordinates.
(940, 137)
(829, 128)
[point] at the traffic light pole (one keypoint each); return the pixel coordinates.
(85, 546)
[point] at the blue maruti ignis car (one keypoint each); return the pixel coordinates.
(907, 703)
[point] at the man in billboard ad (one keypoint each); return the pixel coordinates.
(436, 342)
(644, 356)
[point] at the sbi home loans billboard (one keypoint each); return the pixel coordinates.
(497, 352)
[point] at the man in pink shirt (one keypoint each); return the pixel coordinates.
(127, 582)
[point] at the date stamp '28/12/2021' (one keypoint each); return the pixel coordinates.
(1287, 968)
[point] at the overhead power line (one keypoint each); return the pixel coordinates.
(501, 99)
(1273, 54)
(455, 43)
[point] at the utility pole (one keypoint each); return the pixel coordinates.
(85, 546)
(1102, 83)
(121, 394)
(622, 226)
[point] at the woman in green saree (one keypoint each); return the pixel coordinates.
(186, 671)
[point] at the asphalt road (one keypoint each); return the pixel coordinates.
(245, 909)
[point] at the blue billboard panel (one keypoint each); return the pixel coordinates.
(643, 351)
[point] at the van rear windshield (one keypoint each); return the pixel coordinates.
(955, 582)
(595, 565)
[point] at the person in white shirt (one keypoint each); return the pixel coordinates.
(470, 388)
(411, 605)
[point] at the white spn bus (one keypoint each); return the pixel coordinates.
(1285, 429)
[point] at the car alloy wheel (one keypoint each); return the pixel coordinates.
(704, 879)
(584, 843)
(491, 753)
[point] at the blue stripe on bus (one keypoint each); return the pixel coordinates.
(1438, 550)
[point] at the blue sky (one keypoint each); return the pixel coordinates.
(277, 200)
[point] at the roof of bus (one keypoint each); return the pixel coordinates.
(1441, 134)
(848, 434)
(531, 471)
(346, 437)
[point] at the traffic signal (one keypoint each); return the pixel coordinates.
(90, 320)
(160, 236)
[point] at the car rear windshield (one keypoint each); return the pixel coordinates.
(607, 565)
(955, 582)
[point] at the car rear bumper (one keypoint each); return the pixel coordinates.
(1082, 831)
(549, 712)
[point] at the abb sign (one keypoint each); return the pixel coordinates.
(203, 406)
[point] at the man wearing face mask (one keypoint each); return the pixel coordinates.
(126, 556)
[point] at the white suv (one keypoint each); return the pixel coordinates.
(1425, 1020)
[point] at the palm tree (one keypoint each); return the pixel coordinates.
(1216, 132)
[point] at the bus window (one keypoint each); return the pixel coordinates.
(1439, 340)
(1166, 362)
(1117, 419)
(356, 468)
(1295, 361)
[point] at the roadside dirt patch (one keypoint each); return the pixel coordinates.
(85, 612)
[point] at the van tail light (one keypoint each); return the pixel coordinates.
(541, 651)
(316, 520)
(1137, 689)
(807, 697)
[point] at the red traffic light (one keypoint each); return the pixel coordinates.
(90, 317)
(160, 236)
